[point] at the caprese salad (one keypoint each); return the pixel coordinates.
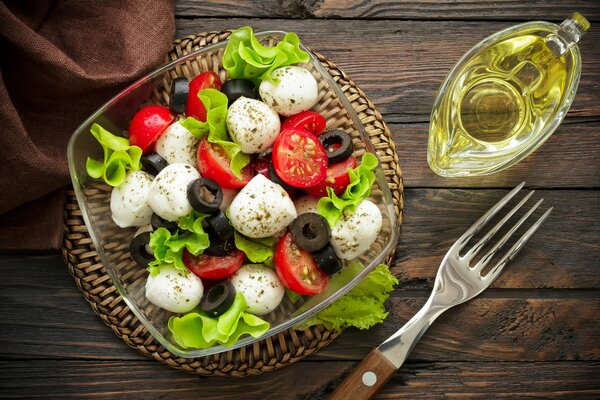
(239, 189)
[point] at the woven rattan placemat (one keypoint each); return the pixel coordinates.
(266, 355)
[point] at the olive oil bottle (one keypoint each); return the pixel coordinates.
(505, 97)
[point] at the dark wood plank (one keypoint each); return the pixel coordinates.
(43, 314)
(569, 158)
(425, 9)
(400, 65)
(307, 380)
(487, 329)
(52, 321)
(564, 253)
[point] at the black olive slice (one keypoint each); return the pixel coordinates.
(137, 249)
(219, 248)
(310, 231)
(276, 179)
(218, 298)
(338, 146)
(205, 195)
(236, 88)
(327, 260)
(154, 163)
(220, 226)
(180, 89)
(157, 222)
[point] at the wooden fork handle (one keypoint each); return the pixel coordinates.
(366, 379)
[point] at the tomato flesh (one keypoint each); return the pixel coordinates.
(297, 268)
(148, 124)
(311, 121)
(337, 178)
(194, 107)
(299, 158)
(214, 267)
(213, 163)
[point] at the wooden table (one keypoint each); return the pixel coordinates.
(533, 334)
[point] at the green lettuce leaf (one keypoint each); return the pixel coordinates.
(362, 307)
(257, 250)
(197, 128)
(119, 157)
(199, 330)
(215, 127)
(246, 58)
(168, 247)
(362, 177)
(292, 296)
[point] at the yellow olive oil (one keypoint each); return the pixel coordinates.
(499, 103)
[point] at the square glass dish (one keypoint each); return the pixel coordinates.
(112, 242)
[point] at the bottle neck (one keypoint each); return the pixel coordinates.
(568, 34)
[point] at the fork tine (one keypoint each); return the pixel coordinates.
(477, 247)
(516, 248)
(486, 217)
(492, 252)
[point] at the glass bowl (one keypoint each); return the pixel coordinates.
(112, 242)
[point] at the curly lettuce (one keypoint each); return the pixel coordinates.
(362, 307)
(246, 58)
(199, 330)
(119, 157)
(331, 207)
(168, 247)
(215, 127)
(257, 250)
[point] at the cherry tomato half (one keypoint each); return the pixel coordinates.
(214, 267)
(337, 177)
(297, 268)
(309, 120)
(194, 107)
(147, 125)
(299, 158)
(213, 163)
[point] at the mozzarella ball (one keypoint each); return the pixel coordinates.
(168, 193)
(177, 145)
(129, 201)
(296, 91)
(306, 204)
(252, 124)
(228, 196)
(173, 290)
(261, 209)
(356, 231)
(260, 286)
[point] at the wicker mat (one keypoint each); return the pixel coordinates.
(266, 355)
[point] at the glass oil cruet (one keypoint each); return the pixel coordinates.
(505, 97)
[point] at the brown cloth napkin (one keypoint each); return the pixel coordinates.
(60, 60)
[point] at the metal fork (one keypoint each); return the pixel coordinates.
(457, 281)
